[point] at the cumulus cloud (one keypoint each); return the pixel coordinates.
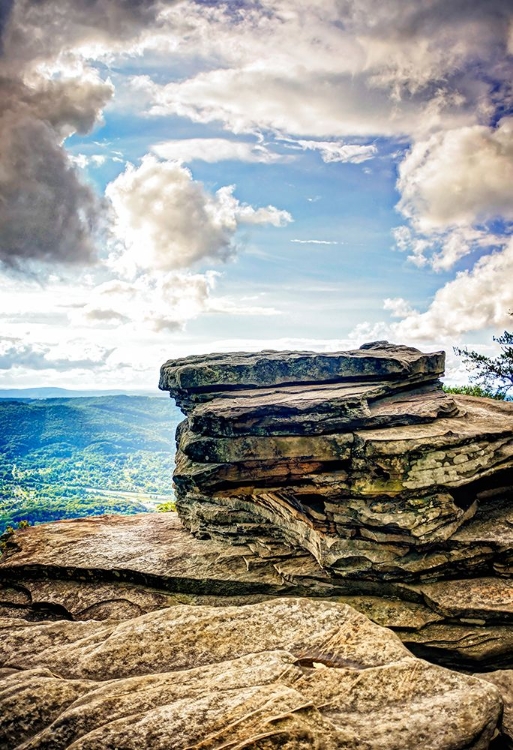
(37, 31)
(159, 302)
(442, 249)
(453, 187)
(213, 150)
(48, 93)
(339, 68)
(460, 177)
(475, 299)
(46, 212)
(167, 220)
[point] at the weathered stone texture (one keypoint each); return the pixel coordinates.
(358, 457)
(283, 674)
(350, 480)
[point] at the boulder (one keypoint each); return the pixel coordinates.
(503, 681)
(288, 673)
(357, 457)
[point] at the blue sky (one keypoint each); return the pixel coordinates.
(186, 177)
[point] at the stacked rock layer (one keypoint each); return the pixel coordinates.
(358, 457)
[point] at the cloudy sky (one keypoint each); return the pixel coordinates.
(184, 177)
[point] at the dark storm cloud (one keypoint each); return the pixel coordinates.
(5, 12)
(46, 212)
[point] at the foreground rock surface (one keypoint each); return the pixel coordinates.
(358, 457)
(117, 567)
(289, 673)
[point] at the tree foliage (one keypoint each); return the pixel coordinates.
(493, 374)
(69, 458)
(474, 390)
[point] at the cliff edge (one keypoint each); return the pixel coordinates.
(342, 519)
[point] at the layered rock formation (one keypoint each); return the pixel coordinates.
(358, 457)
(117, 567)
(328, 495)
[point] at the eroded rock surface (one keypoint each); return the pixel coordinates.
(117, 567)
(289, 673)
(357, 457)
(350, 480)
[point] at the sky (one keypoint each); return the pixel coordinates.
(187, 177)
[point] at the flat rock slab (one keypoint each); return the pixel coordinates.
(393, 613)
(463, 645)
(475, 600)
(80, 600)
(152, 549)
(314, 409)
(284, 674)
(378, 361)
(87, 570)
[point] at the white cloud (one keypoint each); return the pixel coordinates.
(459, 178)
(399, 307)
(303, 103)
(476, 299)
(442, 249)
(83, 160)
(214, 150)
(159, 302)
(167, 220)
(155, 302)
(17, 353)
(316, 242)
(337, 151)
(229, 306)
(331, 69)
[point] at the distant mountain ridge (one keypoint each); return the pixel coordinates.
(74, 457)
(49, 392)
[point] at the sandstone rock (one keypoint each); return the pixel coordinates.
(357, 457)
(317, 409)
(31, 700)
(463, 645)
(95, 568)
(150, 550)
(477, 601)
(380, 361)
(80, 600)
(503, 681)
(283, 674)
(345, 479)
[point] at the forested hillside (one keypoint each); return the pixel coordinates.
(71, 457)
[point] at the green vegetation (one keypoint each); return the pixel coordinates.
(493, 374)
(73, 457)
(474, 390)
(166, 507)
